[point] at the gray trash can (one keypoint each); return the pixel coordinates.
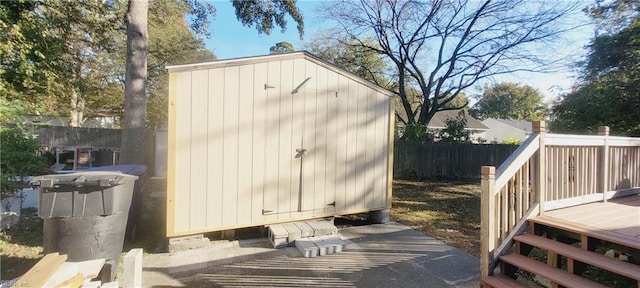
(85, 214)
(135, 210)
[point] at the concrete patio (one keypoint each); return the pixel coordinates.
(383, 255)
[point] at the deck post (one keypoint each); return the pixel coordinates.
(539, 127)
(604, 162)
(487, 222)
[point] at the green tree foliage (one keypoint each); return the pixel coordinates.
(510, 101)
(19, 155)
(266, 14)
(82, 71)
(441, 48)
(347, 54)
(609, 93)
(281, 47)
(454, 130)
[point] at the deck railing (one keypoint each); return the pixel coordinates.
(578, 169)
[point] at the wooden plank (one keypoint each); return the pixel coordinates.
(74, 282)
(320, 147)
(231, 146)
(215, 152)
(309, 141)
(66, 272)
(171, 154)
(616, 266)
(297, 134)
(499, 281)
(272, 90)
(132, 270)
(583, 229)
(342, 144)
(332, 141)
(199, 150)
(260, 122)
(554, 275)
(370, 157)
(351, 157)
(183, 153)
(391, 122)
(91, 268)
(286, 152)
(245, 143)
(38, 275)
(361, 147)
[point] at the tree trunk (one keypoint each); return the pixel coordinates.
(135, 103)
(77, 110)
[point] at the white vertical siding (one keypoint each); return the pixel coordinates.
(237, 131)
(198, 148)
(272, 143)
(342, 146)
(299, 76)
(259, 142)
(285, 152)
(321, 141)
(230, 146)
(215, 153)
(183, 153)
(332, 142)
(309, 167)
(245, 141)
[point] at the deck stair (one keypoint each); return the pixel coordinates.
(577, 258)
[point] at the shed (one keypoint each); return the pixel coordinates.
(262, 140)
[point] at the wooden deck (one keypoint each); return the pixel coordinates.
(618, 217)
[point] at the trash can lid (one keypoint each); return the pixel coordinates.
(85, 178)
(136, 170)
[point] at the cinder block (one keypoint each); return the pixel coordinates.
(322, 227)
(278, 236)
(292, 231)
(307, 247)
(305, 229)
(334, 241)
(322, 249)
(187, 243)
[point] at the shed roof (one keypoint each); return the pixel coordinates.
(276, 57)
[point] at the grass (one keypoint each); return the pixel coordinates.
(20, 246)
(447, 211)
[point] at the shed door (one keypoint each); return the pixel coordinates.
(297, 182)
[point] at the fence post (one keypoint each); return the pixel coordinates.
(604, 162)
(487, 221)
(539, 127)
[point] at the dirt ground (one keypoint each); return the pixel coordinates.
(447, 211)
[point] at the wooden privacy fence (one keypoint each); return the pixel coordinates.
(578, 169)
(450, 161)
(55, 136)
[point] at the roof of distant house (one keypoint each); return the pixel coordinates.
(439, 119)
(520, 124)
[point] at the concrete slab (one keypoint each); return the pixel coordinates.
(381, 255)
(307, 248)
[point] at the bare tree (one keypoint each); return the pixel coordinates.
(135, 87)
(442, 47)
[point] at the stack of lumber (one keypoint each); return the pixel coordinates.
(53, 270)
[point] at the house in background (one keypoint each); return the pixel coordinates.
(439, 120)
(501, 129)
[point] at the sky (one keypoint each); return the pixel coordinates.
(230, 39)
